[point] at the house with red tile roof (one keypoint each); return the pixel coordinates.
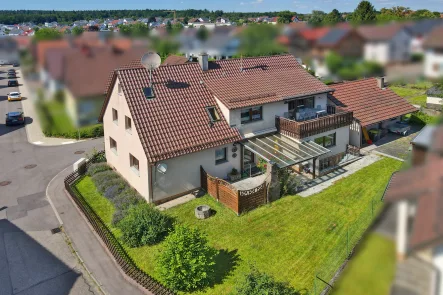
(302, 40)
(219, 115)
(417, 194)
(386, 44)
(375, 108)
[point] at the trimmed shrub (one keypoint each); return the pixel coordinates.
(114, 188)
(144, 225)
(258, 283)
(187, 262)
(102, 179)
(123, 201)
(421, 118)
(97, 168)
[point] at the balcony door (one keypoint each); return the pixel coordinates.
(306, 102)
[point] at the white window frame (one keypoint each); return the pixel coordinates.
(134, 163)
(128, 129)
(113, 145)
(115, 116)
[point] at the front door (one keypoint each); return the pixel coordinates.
(248, 161)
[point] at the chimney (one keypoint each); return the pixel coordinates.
(203, 61)
(381, 82)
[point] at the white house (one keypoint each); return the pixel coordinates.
(386, 44)
(419, 32)
(219, 115)
(433, 59)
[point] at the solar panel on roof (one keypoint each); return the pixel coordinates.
(149, 92)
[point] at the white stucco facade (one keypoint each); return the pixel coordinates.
(434, 100)
(433, 64)
(397, 49)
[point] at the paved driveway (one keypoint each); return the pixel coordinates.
(396, 145)
(33, 260)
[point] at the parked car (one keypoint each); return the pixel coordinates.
(399, 128)
(15, 118)
(11, 71)
(12, 83)
(11, 76)
(14, 96)
(16, 64)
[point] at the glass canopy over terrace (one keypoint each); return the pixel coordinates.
(284, 151)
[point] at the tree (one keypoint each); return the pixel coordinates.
(436, 13)
(187, 261)
(47, 34)
(139, 30)
(365, 12)
(284, 17)
(422, 14)
(169, 27)
(165, 47)
(77, 31)
(334, 62)
(316, 18)
(202, 33)
(259, 40)
(333, 18)
(259, 283)
(186, 20)
(67, 32)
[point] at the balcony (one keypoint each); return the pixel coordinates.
(333, 119)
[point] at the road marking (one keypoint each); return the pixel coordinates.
(68, 142)
(38, 142)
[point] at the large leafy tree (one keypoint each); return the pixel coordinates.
(333, 18)
(77, 31)
(365, 12)
(422, 14)
(47, 34)
(285, 17)
(259, 40)
(316, 18)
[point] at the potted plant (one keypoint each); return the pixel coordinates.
(234, 175)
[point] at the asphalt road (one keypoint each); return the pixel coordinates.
(33, 260)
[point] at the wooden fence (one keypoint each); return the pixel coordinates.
(238, 200)
(125, 262)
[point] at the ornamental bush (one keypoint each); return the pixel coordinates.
(114, 188)
(97, 168)
(187, 262)
(258, 283)
(123, 201)
(144, 225)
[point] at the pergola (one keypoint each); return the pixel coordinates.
(284, 151)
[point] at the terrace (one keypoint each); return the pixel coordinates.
(303, 122)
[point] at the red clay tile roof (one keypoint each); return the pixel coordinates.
(175, 122)
(313, 34)
(435, 38)
(86, 74)
(43, 46)
(380, 32)
(250, 89)
(369, 103)
(174, 60)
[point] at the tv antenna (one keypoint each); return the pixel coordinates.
(150, 61)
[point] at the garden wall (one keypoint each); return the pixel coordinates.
(238, 200)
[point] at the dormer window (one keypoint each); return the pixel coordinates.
(149, 92)
(213, 114)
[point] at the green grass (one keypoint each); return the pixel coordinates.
(55, 122)
(371, 270)
(291, 239)
(414, 93)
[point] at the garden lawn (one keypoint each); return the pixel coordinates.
(371, 270)
(414, 93)
(291, 239)
(55, 122)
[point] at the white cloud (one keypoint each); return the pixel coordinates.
(252, 2)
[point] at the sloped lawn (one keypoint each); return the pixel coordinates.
(292, 239)
(371, 270)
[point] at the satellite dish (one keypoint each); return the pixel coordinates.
(151, 61)
(161, 168)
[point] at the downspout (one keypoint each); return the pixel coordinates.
(151, 183)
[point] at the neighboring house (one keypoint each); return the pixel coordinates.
(434, 99)
(128, 21)
(301, 41)
(417, 194)
(8, 50)
(374, 106)
(433, 59)
(198, 22)
(67, 68)
(419, 30)
(218, 115)
(386, 44)
(221, 43)
(175, 60)
(342, 41)
(221, 21)
(16, 32)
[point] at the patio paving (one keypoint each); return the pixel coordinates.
(397, 146)
(249, 183)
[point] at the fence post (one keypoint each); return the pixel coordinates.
(216, 188)
(347, 241)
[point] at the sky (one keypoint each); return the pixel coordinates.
(301, 6)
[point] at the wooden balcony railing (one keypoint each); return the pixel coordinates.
(304, 129)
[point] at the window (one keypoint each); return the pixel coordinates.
(128, 124)
(220, 156)
(251, 114)
(326, 141)
(133, 162)
(213, 115)
(119, 88)
(149, 92)
(306, 102)
(115, 116)
(113, 145)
